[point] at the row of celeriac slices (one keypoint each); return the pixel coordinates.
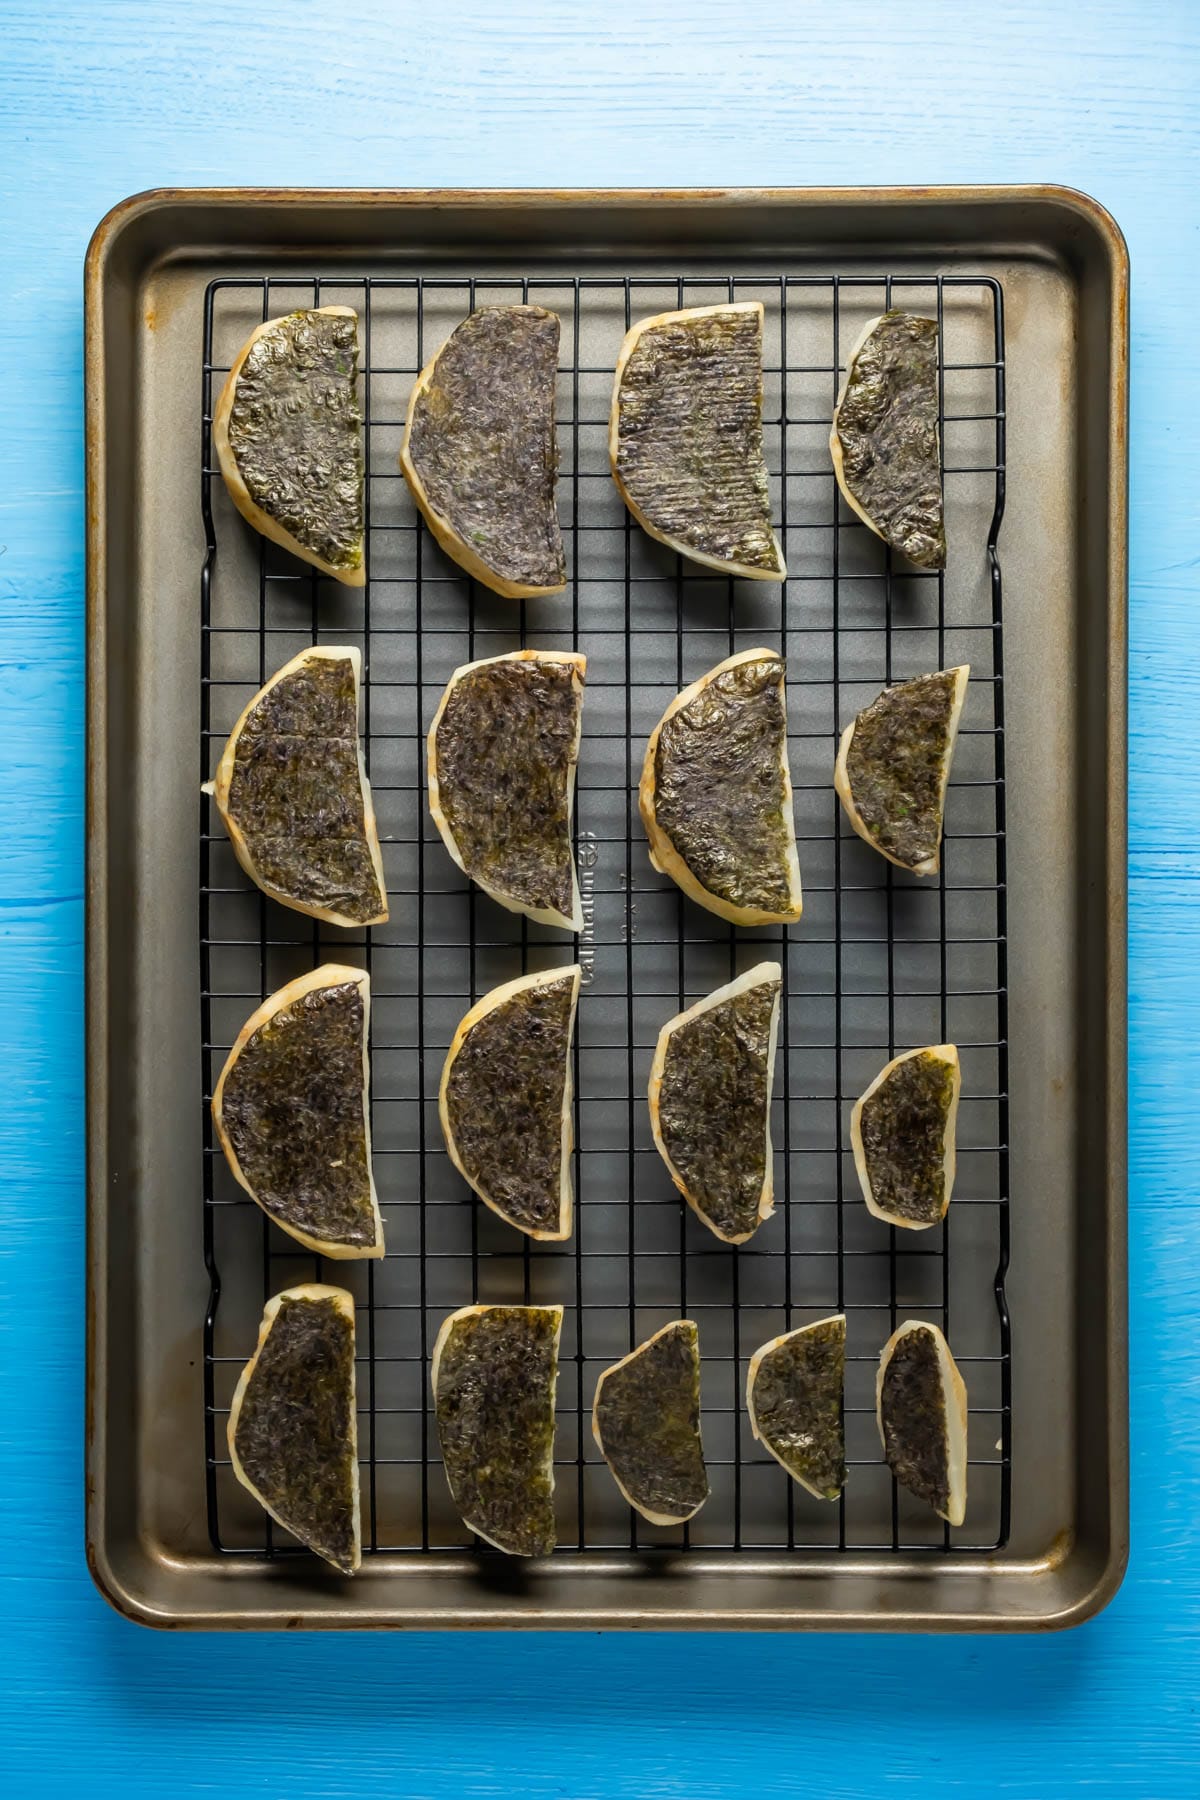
(480, 450)
(293, 1439)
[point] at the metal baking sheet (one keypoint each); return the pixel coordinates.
(1016, 953)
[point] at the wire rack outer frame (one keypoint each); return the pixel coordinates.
(279, 1259)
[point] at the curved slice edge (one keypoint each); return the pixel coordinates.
(220, 785)
(841, 778)
(328, 975)
(310, 1290)
(239, 493)
(756, 1362)
(544, 915)
(456, 547)
(663, 854)
(755, 977)
(435, 1364)
(652, 1518)
(497, 997)
(954, 1399)
(629, 345)
(948, 1053)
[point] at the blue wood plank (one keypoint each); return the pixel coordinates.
(98, 99)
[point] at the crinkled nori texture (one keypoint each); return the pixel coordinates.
(888, 425)
(718, 786)
(903, 1129)
(798, 1404)
(495, 1419)
(689, 439)
(294, 1429)
(504, 1098)
(483, 441)
(295, 430)
(895, 763)
(296, 792)
(713, 1106)
(648, 1414)
(912, 1410)
(505, 746)
(293, 1111)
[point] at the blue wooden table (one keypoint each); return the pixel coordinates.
(99, 98)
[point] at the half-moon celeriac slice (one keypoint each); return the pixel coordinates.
(290, 1109)
(685, 437)
(902, 1131)
(921, 1410)
(288, 435)
(292, 792)
(646, 1423)
(794, 1393)
(503, 747)
(710, 1102)
(480, 452)
(884, 442)
(505, 1101)
(494, 1374)
(716, 793)
(292, 1429)
(893, 767)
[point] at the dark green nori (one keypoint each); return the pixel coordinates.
(798, 1404)
(895, 763)
(912, 1411)
(292, 1109)
(504, 1100)
(296, 794)
(689, 440)
(648, 1416)
(495, 1417)
(505, 745)
(483, 441)
(713, 1106)
(295, 430)
(888, 425)
(903, 1129)
(718, 786)
(293, 1433)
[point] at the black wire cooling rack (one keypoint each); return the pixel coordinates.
(880, 962)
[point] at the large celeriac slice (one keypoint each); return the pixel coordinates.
(290, 1109)
(292, 792)
(292, 1428)
(287, 429)
(716, 793)
(505, 1101)
(710, 1102)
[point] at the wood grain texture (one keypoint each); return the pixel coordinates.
(100, 98)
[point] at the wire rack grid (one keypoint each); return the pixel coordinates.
(880, 962)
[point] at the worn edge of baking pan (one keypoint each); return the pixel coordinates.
(1099, 1581)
